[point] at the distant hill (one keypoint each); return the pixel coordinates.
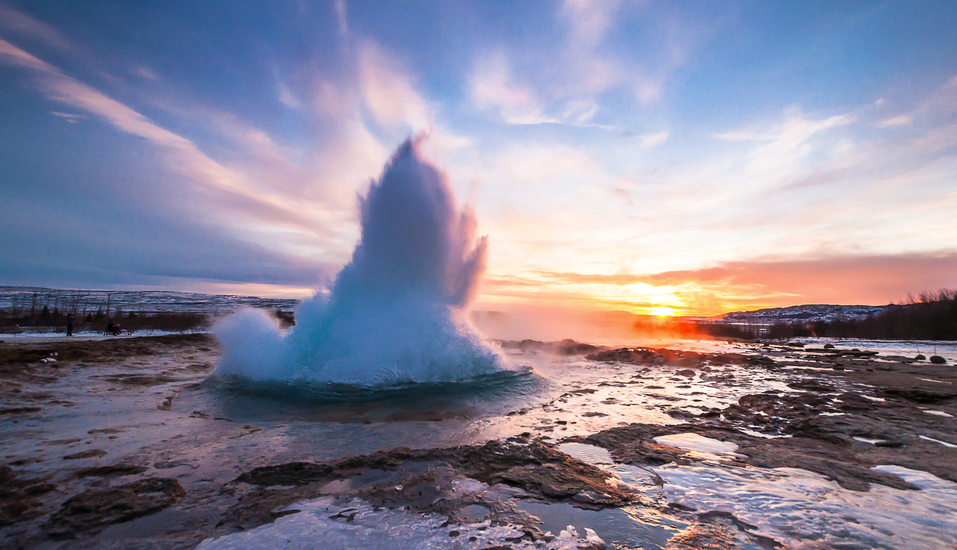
(810, 313)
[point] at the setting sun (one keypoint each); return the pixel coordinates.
(661, 311)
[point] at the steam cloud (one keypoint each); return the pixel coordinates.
(396, 311)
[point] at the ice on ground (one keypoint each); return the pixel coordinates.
(695, 443)
(934, 381)
(944, 443)
(870, 440)
(594, 455)
(323, 524)
(806, 510)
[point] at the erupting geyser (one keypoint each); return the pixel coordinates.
(396, 311)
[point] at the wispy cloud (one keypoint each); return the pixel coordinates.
(146, 72)
(650, 140)
(492, 87)
(343, 21)
(13, 55)
(739, 135)
(186, 157)
(899, 120)
(286, 97)
(387, 91)
(23, 25)
(589, 21)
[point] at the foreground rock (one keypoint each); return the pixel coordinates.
(562, 347)
(94, 509)
(675, 358)
(441, 481)
(19, 497)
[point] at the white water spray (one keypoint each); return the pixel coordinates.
(396, 311)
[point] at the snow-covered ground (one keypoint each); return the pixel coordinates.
(23, 299)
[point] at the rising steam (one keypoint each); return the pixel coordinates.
(396, 311)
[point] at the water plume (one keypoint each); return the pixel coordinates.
(395, 313)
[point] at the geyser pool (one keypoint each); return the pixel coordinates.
(395, 314)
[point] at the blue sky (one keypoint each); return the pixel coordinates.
(690, 157)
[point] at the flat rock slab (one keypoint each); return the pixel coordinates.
(91, 453)
(93, 510)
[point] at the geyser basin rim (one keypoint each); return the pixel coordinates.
(504, 381)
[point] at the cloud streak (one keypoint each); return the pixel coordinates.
(24, 25)
(185, 156)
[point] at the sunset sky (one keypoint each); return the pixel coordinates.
(652, 157)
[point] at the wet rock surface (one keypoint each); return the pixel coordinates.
(113, 470)
(12, 357)
(94, 509)
(563, 347)
(677, 358)
(19, 496)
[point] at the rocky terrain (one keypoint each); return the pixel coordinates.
(121, 443)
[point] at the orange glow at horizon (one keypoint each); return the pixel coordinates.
(671, 300)
(741, 286)
(732, 286)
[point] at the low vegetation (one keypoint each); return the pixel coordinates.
(56, 321)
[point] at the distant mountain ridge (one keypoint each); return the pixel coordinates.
(809, 313)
